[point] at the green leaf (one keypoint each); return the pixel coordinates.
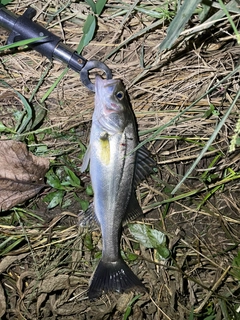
(150, 238)
(92, 5)
(99, 6)
(205, 10)
(129, 307)
(20, 43)
(88, 241)
(162, 252)
(131, 256)
(88, 32)
(177, 25)
(83, 203)
(27, 116)
(89, 190)
(12, 245)
(54, 198)
(72, 178)
(53, 180)
(3, 128)
(139, 231)
(4, 2)
(156, 237)
(127, 312)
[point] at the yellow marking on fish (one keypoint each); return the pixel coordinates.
(104, 148)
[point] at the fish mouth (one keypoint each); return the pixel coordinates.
(99, 81)
(104, 89)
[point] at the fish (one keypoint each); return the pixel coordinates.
(116, 168)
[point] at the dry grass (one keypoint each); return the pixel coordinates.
(45, 275)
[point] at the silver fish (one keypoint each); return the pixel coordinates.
(115, 170)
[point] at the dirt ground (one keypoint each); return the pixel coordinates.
(46, 260)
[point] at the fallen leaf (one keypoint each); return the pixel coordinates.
(2, 302)
(59, 282)
(21, 174)
(7, 261)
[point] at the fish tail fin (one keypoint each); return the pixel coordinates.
(113, 276)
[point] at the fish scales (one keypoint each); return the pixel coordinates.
(113, 169)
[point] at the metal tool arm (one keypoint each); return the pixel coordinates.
(51, 46)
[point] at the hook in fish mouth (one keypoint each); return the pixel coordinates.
(93, 64)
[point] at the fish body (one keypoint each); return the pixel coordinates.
(114, 176)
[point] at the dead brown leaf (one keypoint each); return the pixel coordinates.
(2, 302)
(21, 173)
(7, 261)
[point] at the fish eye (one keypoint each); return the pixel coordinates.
(120, 95)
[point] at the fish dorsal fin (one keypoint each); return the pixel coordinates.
(86, 159)
(133, 209)
(144, 165)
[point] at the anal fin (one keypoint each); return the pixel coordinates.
(133, 210)
(88, 218)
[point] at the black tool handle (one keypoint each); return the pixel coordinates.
(22, 27)
(51, 46)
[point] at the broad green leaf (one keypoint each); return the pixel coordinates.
(89, 190)
(162, 252)
(205, 10)
(140, 233)
(92, 5)
(131, 256)
(53, 180)
(150, 238)
(156, 237)
(5, 2)
(127, 312)
(177, 25)
(88, 32)
(54, 198)
(99, 6)
(83, 203)
(72, 178)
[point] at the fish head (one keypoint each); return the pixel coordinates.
(112, 107)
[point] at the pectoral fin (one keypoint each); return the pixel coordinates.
(86, 159)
